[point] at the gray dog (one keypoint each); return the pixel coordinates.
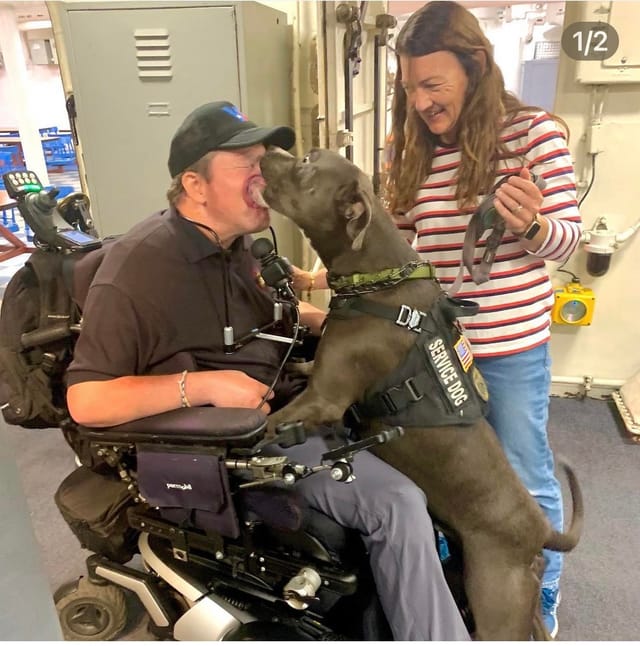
(460, 465)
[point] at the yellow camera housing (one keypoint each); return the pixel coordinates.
(574, 305)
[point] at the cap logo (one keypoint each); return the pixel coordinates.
(234, 112)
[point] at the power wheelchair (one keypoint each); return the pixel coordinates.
(226, 549)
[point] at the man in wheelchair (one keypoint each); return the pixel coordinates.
(159, 334)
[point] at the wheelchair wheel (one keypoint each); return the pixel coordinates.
(91, 612)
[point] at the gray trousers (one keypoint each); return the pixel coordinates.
(390, 512)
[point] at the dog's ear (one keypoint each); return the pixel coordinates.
(355, 205)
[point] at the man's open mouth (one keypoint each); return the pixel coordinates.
(254, 196)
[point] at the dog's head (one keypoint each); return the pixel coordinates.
(326, 195)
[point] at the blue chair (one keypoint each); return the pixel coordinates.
(9, 160)
(6, 161)
(8, 157)
(59, 151)
(8, 217)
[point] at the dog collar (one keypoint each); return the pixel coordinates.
(365, 283)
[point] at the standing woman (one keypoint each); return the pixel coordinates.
(456, 133)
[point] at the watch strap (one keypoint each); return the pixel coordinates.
(530, 232)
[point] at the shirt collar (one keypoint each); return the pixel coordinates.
(193, 243)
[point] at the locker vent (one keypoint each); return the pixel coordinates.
(153, 54)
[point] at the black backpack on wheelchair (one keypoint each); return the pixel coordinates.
(229, 552)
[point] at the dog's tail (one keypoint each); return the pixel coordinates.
(565, 542)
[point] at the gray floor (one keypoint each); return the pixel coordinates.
(600, 586)
(21, 568)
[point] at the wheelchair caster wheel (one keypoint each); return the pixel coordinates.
(91, 612)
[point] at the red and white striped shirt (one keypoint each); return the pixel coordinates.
(515, 302)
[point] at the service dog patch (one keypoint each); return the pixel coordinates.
(451, 382)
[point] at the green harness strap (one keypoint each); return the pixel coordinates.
(363, 283)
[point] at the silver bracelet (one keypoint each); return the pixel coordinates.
(184, 402)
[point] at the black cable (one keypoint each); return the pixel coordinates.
(573, 276)
(225, 269)
(582, 199)
(294, 338)
(593, 176)
(296, 326)
(273, 237)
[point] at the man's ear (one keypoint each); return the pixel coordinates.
(356, 208)
(194, 185)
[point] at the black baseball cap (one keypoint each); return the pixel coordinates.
(220, 126)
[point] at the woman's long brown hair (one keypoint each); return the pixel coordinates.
(488, 108)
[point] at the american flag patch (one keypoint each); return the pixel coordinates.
(463, 350)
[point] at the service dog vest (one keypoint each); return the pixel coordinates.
(438, 383)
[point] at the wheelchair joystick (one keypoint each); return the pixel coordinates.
(38, 207)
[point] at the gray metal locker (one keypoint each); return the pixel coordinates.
(137, 69)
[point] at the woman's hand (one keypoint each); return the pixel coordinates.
(518, 201)
(305, 281)
(302, 280)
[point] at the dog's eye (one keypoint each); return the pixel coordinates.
(306, 159)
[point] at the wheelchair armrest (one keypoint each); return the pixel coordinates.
(202, 425)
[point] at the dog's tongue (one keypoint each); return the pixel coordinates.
(254, 196)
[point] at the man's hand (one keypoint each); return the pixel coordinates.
(231, 389)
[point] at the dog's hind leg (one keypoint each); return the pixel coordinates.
(503, 596)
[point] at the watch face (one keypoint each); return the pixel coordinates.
(532, 230)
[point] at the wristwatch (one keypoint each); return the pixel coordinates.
(530, 232)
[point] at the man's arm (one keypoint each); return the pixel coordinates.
(120, 400)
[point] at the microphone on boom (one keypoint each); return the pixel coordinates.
(277, 271)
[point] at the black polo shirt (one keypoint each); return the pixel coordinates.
(159, 293)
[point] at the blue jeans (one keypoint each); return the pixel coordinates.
(519, 387)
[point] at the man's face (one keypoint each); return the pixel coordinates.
(436, 86)
(233, 192)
